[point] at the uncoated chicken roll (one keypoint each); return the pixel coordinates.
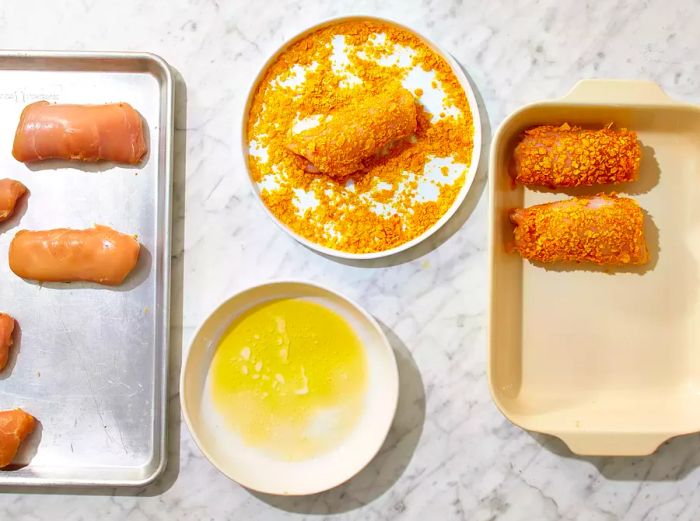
(7, 327)
(111, 132)
(15, 426)
(98, 254)
(344, 139)
(567, 156)
(10, 192)
(603, 229)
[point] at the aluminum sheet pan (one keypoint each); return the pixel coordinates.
(90, 362)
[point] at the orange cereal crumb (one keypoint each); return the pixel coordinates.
(418, 92)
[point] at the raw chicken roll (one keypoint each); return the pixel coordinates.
(344, 139)
(98, 254)
(112, 132)
(15, 426)
(7, 327)
(10, 192)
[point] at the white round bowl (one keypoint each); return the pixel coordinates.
(253, 468)
(471, 173)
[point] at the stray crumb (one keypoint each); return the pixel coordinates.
(418, 92)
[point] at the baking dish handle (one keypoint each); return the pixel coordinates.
(619, 92)
(613, 443)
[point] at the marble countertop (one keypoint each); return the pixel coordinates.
(450, 453)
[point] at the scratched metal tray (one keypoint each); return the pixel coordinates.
(90, 362)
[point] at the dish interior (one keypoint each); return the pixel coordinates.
(581, 351)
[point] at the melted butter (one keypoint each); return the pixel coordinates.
(289, 376)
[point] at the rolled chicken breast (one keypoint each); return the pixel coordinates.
(111, 132)
(98, 254)
(346, 137)
(603, 229)
(10, 192)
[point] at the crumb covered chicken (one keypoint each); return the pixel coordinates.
(568, 156)
(339, 145)
(10, 192)
(603, 229)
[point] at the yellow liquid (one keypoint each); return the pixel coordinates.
(289, 376)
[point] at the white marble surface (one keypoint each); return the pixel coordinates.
(450, 455)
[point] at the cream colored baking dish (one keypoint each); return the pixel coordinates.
(608, 361)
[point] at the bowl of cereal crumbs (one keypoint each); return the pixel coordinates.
(361, 137)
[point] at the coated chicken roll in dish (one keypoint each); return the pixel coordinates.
(10, 192)
(98, 254)
(15, 426)
(111, 132)
(345, 138)
(7, 327)
(603, 229)
(567, 156)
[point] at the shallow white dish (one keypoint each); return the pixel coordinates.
(251, 467)
(470, 175)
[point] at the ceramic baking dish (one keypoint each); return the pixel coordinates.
(607, 360)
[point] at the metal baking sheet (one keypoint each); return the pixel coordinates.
(90, 362)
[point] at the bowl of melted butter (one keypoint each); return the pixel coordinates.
(289, 388)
